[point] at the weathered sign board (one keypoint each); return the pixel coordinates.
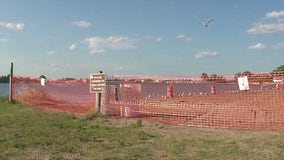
(97, 82)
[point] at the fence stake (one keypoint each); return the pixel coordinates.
(11, 84)
(98, 102)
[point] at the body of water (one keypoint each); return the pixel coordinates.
(4, 89)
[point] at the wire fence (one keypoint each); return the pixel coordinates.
(240, 101)
(58, 94)
(217, 101)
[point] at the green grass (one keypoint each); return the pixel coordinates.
(30, 133)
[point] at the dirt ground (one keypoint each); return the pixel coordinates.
(243, 110)
(41, 99)
(259, 110)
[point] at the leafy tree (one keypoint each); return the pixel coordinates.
(278, 72)
(204, 76)
(237, 75)
(279, 69)
(4, 79)
(247, 73)
(216, 78)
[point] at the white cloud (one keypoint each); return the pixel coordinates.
(82, 24)
(147, 37)
(118, 42)
(182, 36)
(101, 44)
(266, 28)
(257, 46)
(275, 14)
(159, 39)
(51, 53)
(205, 54)
(95, 44)
(277, 24)
(278, 46)
(72, 47)
(12, 26)
(189, 39)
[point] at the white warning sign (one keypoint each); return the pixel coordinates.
(243, 83)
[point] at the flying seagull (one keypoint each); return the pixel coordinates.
(207, 23)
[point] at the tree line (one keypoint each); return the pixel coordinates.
(5, 79)
(259, 77)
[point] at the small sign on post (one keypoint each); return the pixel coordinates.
(97, 82)
(243, 83)
(97, 85)
(42, 80)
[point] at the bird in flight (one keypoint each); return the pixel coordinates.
(207, 23)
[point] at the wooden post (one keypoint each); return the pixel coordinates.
(97, 84)
(98, 102)
(11, 84)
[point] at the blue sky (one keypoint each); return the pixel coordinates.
(73, 38)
